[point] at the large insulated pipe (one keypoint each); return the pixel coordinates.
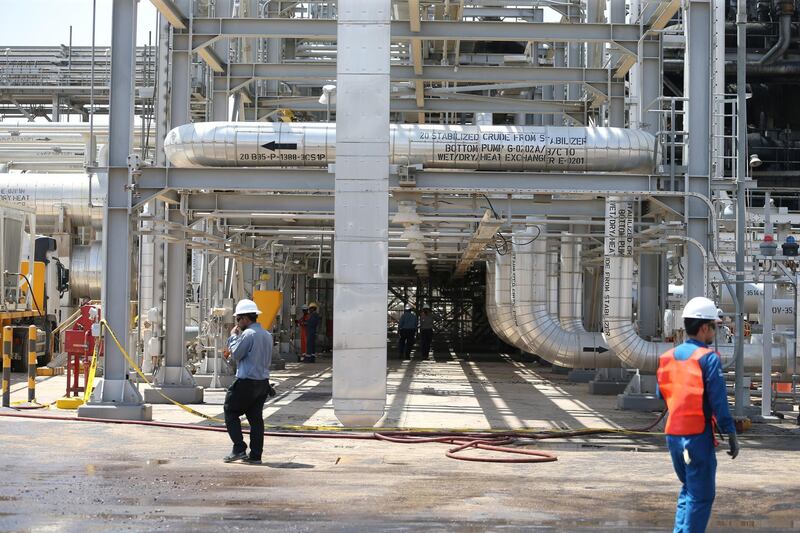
(520, 148)
(570, 285)
(491, 306)
(540, 330)
(502, 295)
(618, 328)
(86, 271)
(54, 196)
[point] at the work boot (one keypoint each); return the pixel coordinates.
(251, 461)
(234, 456)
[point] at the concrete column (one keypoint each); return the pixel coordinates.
(172, 378)
(697, 88)
(114, 395)
(362, 208)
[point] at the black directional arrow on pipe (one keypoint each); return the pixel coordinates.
(598, 349)
(272, 145)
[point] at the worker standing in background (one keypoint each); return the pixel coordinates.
(250, 346)
(425, 331)
(301, 323)
(312, 323)
(691, 382)
(406, 327)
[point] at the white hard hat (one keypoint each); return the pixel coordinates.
(703, 308)
(246, 307)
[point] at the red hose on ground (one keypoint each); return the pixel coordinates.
(483, 441)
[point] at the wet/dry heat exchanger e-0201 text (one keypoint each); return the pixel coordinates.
(515, 148)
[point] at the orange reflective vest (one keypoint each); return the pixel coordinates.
(681, 385)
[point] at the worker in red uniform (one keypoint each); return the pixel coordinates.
(691, 382)
(301, 323)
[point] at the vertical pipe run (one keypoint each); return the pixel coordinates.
(8, 335)
(32, 334)
(766, 324)
(741, 173)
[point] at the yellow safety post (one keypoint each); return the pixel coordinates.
(32, 334)
(8, 335)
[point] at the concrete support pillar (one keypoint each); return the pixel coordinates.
(697, 88)
(115, 396)
(362, 208)
(172, 378)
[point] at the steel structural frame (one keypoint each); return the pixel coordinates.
(239, 74)
(115, 396)
(206, 31)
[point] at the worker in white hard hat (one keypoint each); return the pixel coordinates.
(691, 382)
(407, 329)
(250, 346)
(425, 331)
(312, 324)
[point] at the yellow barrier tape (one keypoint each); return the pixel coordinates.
(87, 392)
(188, 409)
(138, 370)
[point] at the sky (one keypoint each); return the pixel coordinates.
(47, 22)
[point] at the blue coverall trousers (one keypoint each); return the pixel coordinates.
(698, 478)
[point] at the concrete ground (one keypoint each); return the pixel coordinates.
(78, 476)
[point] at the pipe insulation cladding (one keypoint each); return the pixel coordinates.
(57, 196)
(515, 148)
(619, 330)
(86, 271)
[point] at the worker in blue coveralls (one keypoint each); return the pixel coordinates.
(691, 382)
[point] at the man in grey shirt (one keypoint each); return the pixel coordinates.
(250, 346)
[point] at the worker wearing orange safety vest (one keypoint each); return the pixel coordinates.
(691, 382)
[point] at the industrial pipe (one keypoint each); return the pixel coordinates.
(541, 331)
(618, 328)
(784, 37)
(570, 286)
(86, 271)
(519, 148)
(56, 196)
(491, 308)
(504, 314)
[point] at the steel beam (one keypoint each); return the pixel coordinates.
(242, 73)
(697, 87)
(115, 396)
(249, 205)
(156, 180)
(207, 30)
(438, 105)
(171, 13)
